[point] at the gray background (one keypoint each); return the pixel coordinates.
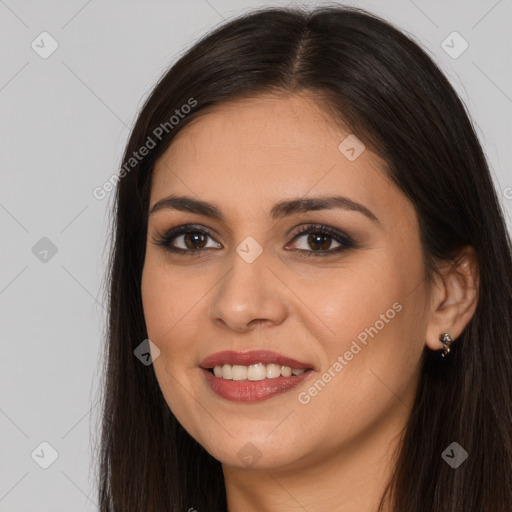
(65, 120)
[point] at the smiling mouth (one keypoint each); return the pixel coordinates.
(255, 372)
(253, 376)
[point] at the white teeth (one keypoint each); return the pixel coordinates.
(239, 372)
(286, 371)
(273, 371)
(255, 372)
(227, 371)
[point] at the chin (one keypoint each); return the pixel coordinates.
(259, 452)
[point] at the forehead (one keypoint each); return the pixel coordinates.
(273, 123)
(288, 136)
(269, 120)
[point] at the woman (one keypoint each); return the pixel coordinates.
(307, 232)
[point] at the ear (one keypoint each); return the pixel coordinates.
(454, 297)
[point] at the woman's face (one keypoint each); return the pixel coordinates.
(349, 306)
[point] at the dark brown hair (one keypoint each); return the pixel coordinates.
(381, 84)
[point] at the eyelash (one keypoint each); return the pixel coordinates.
(345, 241)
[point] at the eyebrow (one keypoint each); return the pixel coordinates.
(279, 210)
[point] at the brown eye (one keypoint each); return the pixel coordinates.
(193, 238)
(186, 240)
(318, 240)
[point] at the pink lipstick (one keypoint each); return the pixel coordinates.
(253, 376)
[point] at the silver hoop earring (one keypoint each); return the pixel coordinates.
(446, 340)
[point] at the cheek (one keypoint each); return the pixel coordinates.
(376, 319)
(175, 309)
(348, 301)
(168, 299)
(167, 302)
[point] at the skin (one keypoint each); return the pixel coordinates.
(334, 453)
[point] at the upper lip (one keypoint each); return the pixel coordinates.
(251, 357)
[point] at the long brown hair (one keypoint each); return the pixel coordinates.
(383, 86)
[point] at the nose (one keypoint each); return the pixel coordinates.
(250, 295)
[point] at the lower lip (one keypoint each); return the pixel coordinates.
(252, 390)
